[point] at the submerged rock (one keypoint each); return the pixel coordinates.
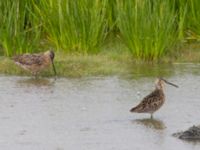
(193, 133)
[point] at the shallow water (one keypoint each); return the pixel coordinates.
(93, 113)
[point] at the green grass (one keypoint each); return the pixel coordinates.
(150, 30)
(74, 26)
(19, 29)
(113, 60)
(193, 20)
(75, 66)
(147, 27)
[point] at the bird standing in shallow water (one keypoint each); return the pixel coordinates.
(154, 100)
(35, 63)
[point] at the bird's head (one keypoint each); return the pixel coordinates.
(160, 83)
(51, 55)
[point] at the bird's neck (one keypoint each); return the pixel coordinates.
(159, 87)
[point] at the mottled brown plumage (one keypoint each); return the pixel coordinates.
(154, 100)
(35, 63)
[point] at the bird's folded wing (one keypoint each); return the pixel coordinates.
(28, 59)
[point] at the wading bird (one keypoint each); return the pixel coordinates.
(154, 100)
(35, 63)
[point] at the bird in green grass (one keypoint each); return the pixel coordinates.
(152, 102)
(35, 63)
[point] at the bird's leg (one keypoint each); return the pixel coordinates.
(55, 78)
(151, 116)
(35, 75)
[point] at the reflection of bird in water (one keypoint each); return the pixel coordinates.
(151, 123)
(154, 100)
(35, 63)
(35, 82)
(191, 134)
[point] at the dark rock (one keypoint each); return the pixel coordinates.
(192, 133)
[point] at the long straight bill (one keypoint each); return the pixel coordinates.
(169, 83)
(54, 69)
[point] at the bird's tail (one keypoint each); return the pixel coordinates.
(16, 58)
(134, 109)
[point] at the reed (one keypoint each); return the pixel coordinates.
(111, 16)
(74, 26)
(181, 8)
(19, 30)
(193, 20)
(147, 27)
